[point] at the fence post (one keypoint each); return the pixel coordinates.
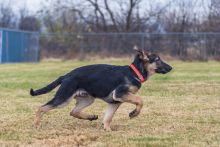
(205, 48)
(81, 38)
(38, 47)
(1, 45)
(7, 46)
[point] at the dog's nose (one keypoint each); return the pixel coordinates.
(170, 68)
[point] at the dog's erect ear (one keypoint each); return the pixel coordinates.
(137, 49)
(142, 54)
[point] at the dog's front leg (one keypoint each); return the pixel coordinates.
(133, 99)
(111, 109)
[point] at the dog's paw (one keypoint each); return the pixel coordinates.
(133, 113)
(93, 117)
(107, 129)
(36, 125)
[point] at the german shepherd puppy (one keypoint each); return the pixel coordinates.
(113, 84)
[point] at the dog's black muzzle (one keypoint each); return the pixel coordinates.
(163, 68)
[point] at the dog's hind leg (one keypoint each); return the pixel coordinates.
(61, 98)
(39, 113)
(81, 103)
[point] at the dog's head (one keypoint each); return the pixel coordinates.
(152, 62)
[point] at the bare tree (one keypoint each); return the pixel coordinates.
(112, 16)
(29, 23)
(214, 16)
(7, 17)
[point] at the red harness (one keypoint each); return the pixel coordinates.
(137, 73)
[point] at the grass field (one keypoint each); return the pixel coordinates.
(181, 108)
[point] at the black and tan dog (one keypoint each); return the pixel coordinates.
(113, 84)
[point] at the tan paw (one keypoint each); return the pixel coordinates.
(108, 129)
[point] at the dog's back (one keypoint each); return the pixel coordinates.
(99, 80)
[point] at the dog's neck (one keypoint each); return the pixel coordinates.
(138, 63)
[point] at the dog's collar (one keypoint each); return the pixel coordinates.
(140, 77)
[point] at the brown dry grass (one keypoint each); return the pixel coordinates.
(180, 109)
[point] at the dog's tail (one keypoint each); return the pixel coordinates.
(48, 88)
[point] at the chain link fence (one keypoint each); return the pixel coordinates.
(184, 46)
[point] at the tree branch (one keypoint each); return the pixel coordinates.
(111, 15)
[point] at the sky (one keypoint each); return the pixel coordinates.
(34, 5)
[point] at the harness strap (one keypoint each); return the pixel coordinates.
(137, 73)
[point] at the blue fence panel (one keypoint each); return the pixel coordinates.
(19, 46)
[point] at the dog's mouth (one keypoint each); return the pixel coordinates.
(163, 70)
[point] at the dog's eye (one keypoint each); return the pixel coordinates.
(157, 59)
